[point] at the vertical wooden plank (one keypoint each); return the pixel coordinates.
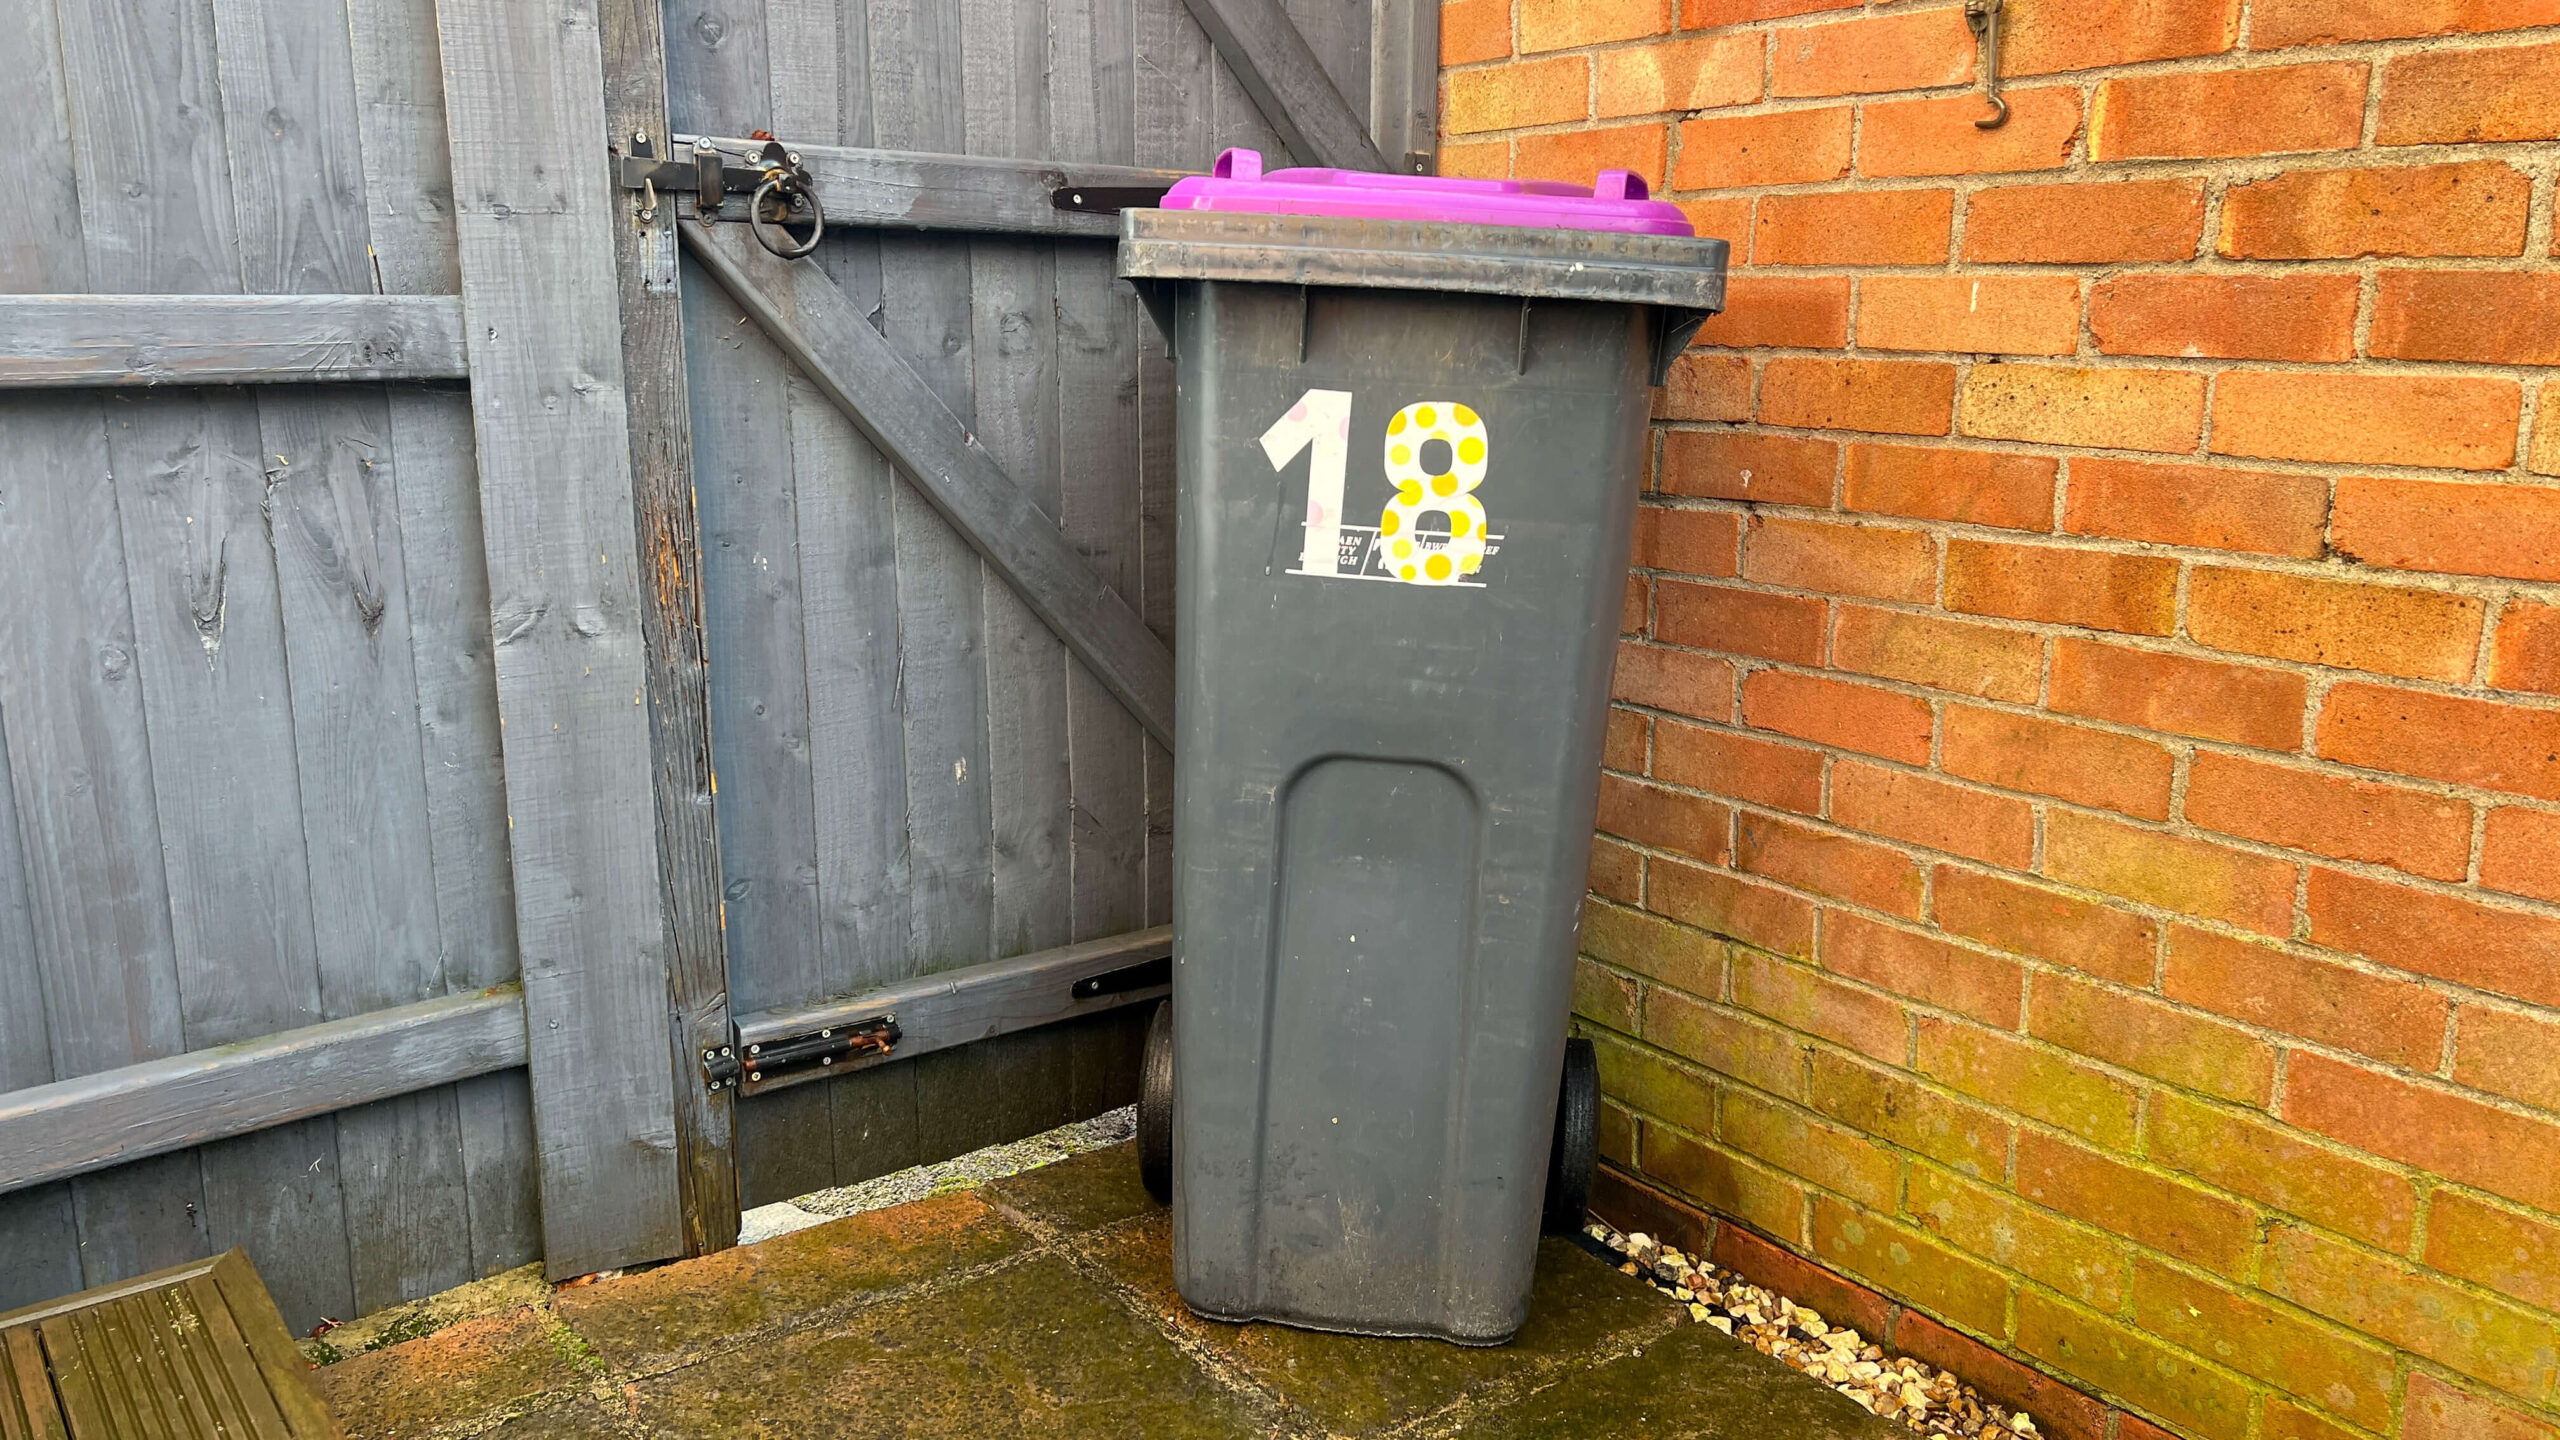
(140, 1217)
(40, 235)
(498, 1153)
(1404, 84)
(26, 1055)
(39, 1245)
(1339, 32)
(276, 1193)
(414, 1227)
(534, 209)
(1093, 117)
(1007, 73)
(680, 737)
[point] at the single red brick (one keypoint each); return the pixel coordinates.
(2328, 22)
(2450, 97)
(1690, 542)
(2510, 1053)
(2060, 1411)
(2487, 743)
(1924, 810)
(1675, 680)
(1829, 863)
(1951, 977)
(2507, 952)
(1635, 607)
(2264, 111)
(1938, 137)
(1787, 147)
(1834, 712)
(2242, 704)
(1885, 397)
(2338, 816)
(1700, 74)
(1476, 159)
(2088, 767)
(2047, 924)
(2519, 852)
(2436, 1130)
(1529, 92)
(1578, 156)
(1760, 771)
(1562, 24)
(1984, 314)
(2527, 653)
(2437, 1411)
(2099, 589)
(1705, 386)
(1665, 819)
(1741, 465)
(2391, 1020)
(1880, 562)
(1472, 30)
(2248, 1156)
(1854, 227)
(1728, 905)
(2451, 528)
(2231, 317)
(1630, 740)
(2435, 420)
(2168, 1215)
(2116, 409)
(1726, 217)
(2495, 317)
(2285, 1420)
(1980, 487)
(2206, 506)
(2040, 37)
(2474, 208)
(1984, 661)
(1810, 311)
(1617, 871)
(2545, 456)
(2136, 1032)
(2109, 224)
(2036, 1081)
(1903, 51)
(2191, 877)
(2387, 629)
(1714, 14)
(1730, 1183)
(1741, 622)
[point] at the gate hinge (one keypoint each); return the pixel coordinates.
(741, 1062)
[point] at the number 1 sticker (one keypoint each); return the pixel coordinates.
(1434, 454)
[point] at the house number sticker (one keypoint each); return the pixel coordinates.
(1433, 528)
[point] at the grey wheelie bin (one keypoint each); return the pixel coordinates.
(1411, 427)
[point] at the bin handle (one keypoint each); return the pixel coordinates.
(1238, 163)
(1620, 185)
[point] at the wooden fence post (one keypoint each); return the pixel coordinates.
(534, 213)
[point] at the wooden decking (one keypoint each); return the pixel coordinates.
(194, 1351)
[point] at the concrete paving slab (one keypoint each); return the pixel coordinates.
(1691, 1384)
(1033, 1349)
(1085, 1192)
(475, 1369)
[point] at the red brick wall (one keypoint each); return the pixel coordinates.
(2082, 841)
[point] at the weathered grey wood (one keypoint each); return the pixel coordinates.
(960, 194)
(953, 470)
(408, 178)
(40, 234)
(976, 1002)
(112, 1117)
(653, 359)
(1285, 79)
(39, 1245)
(124, 340)
(1340, 34)
(140, 1217)
(534, 209)
(276, 1193)
(1404, 91)
(498, 1152)
(414, 1224)
(26, 1058)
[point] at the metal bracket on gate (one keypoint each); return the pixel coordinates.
(739, 1062)
(1107, 199)
(777, 186)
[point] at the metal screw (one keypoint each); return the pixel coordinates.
(755, 1049)
(755, 1075)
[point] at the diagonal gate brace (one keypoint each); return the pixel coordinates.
(858, 372)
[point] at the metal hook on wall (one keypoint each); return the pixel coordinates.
(1983, 16)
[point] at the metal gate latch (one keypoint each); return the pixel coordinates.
(754, 1063)
(777, 186)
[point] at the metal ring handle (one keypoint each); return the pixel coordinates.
(778, 186)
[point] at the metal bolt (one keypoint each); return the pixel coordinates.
(755, 1049)
(755, 1075)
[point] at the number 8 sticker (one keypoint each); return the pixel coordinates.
(1414, 556)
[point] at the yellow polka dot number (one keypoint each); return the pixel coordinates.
(1445, 559)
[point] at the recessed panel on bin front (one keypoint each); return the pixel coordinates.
(1385, 782)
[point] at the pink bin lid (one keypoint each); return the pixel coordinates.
(1618, 204)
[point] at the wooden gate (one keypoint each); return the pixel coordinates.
(397, 539)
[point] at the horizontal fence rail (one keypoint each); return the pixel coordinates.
(70, 1127)
(899, 190)
(56, 341)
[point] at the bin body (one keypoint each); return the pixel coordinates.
(1384, 787)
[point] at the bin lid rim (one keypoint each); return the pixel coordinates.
(1619, 203)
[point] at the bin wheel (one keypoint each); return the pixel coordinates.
(1155, 1106)
(1577, 1142)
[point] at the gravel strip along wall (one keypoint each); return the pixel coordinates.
(2081, 848)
